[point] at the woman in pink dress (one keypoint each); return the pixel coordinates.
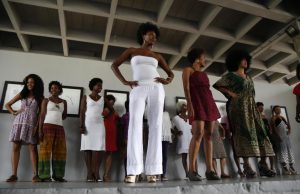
(24, 130)
(202, 112)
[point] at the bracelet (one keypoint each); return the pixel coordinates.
(15, 113)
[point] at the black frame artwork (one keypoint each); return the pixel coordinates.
(10, 90)
(73, 96)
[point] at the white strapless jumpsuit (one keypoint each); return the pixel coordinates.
(151, 93)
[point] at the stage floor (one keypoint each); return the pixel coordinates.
(279, 184)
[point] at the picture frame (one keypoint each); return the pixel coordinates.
(284, 112)
(73, 96)
(221, 105)
(121, 97)
(10, 90)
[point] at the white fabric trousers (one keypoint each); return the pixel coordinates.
(153, 94)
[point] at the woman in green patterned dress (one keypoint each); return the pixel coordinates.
(249, 135)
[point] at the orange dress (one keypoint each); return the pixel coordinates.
(110, 123)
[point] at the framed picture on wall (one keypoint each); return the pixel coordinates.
(73, 97)
(221, 107)
(121, 97)
(284, 112)
(10, 90)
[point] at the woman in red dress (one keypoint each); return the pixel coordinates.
(110, 121)
(202, 112)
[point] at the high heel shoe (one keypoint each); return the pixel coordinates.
(130, 179)
(151, 178)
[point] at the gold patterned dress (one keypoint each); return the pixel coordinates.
(249, 135)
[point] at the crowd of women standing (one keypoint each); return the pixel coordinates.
(40, 121)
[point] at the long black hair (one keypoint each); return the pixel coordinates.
(38, 89)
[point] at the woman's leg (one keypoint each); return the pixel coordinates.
(184, 163)
(215, 165)
(197, 132)
(155, 103)
(165, 145)
(223, 164)
(33, 158)
(107, 166)
(248, 171)
(88, 163)
(135, 131)
(208, 146)
(15, 157)
(96, 164)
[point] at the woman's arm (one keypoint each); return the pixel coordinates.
(42, 118)
(11, 102)
(224, 90)
(186, 87)
(64, 115)
(118, 62)
(163, 64)
(298, 109)
(82, 114)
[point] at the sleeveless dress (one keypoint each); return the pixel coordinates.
(218, 145)
(110, 123)
(184, 139)
(205, 108)
(25, 123)
(284, 153)
(94, 138)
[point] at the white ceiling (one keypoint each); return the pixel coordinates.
(102, 29)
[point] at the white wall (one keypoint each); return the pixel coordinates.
(14, 66)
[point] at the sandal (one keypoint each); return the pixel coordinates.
(265, 171)
(249, 172)
(36, 179)
(151, 179)
(194, 176)
(130, 179)
(106, 179)
(211, 175)
(12, 178)
(241, 174)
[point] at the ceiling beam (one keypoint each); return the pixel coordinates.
(271, 4)
(292, 80)
(40, 3)
(163, 10)
(242, 29)
(253, 9)
(275, 76)
(209, 16)
(63, 27)
(109, 26)
(15, 20)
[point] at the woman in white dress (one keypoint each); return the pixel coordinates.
(183, 131)
(92, 129)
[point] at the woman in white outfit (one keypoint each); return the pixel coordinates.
(183, 129)
(92, 129)
(147, 88)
